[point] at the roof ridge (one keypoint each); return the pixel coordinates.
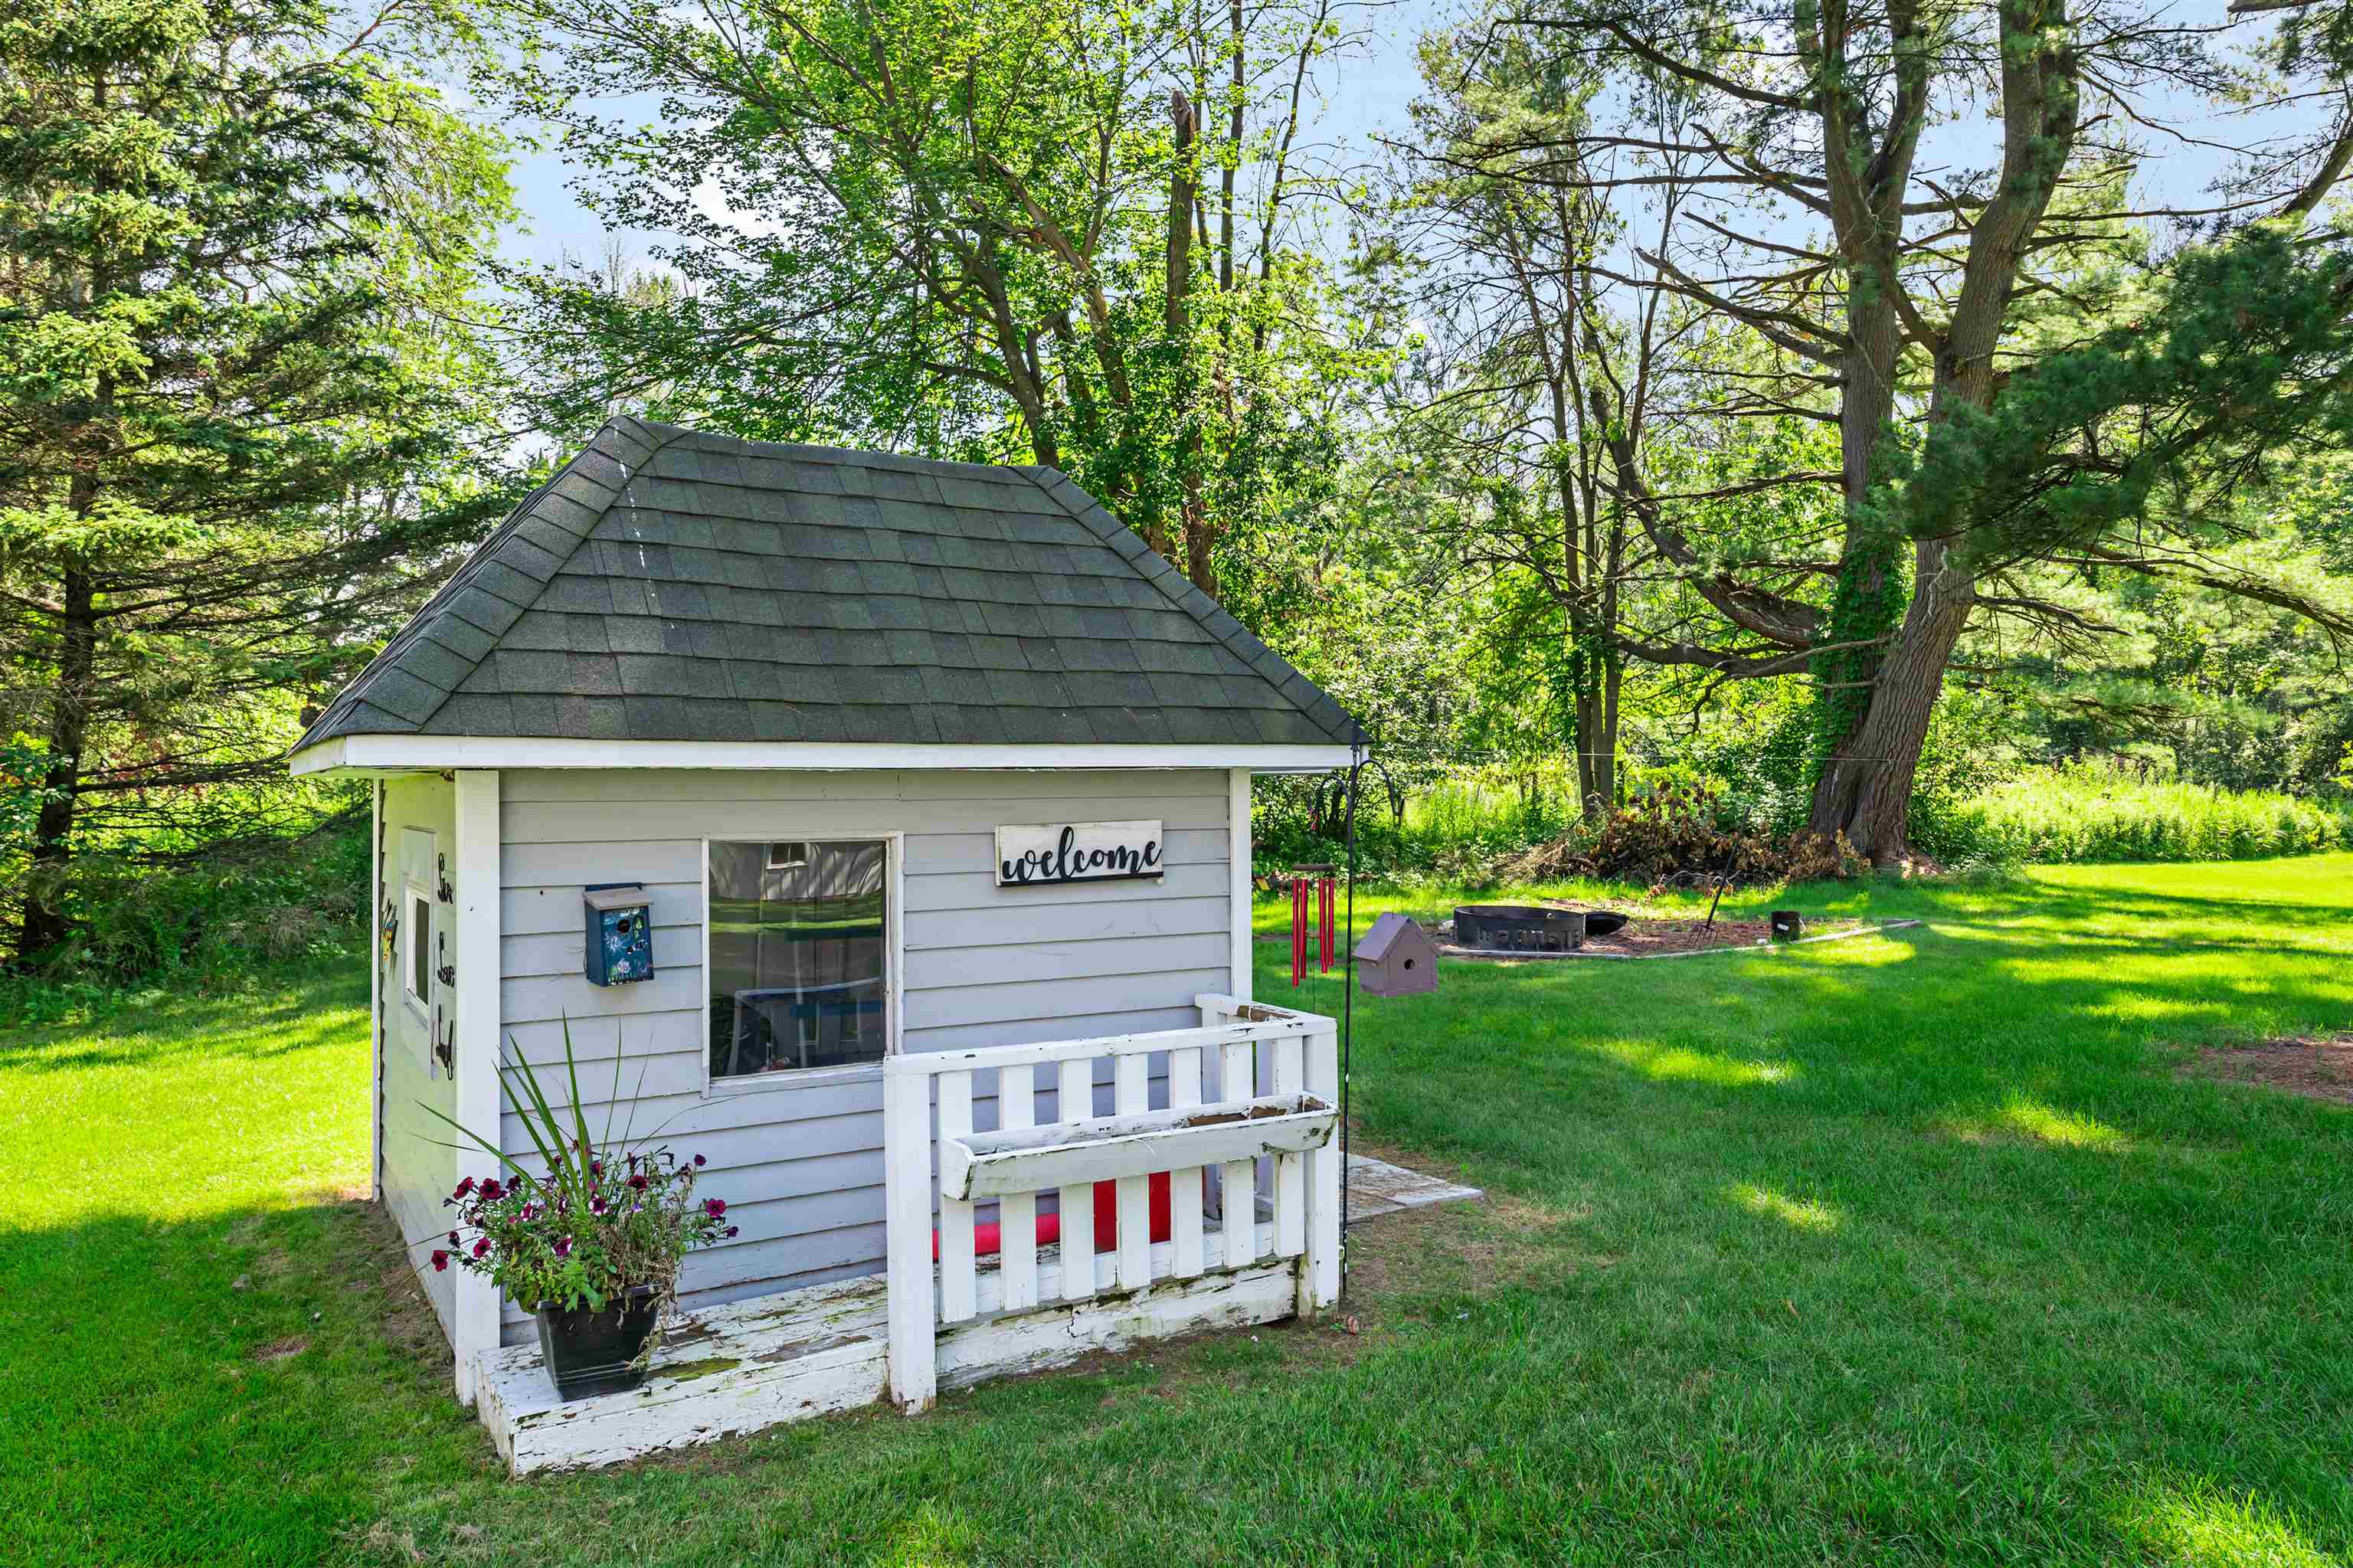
(862, 457)
(1187, 598)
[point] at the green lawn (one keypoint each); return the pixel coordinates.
(1909, 1248)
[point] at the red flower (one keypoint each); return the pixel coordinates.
(714, 1207)
(490, 1188)
(440, 1261)
(463, 1188)
(563, 1246)
(481, 1247)
(699, 1162)
(730, 1231)
(596, 1168)
(639, 1183)
(453, 1238)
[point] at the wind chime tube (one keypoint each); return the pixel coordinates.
(1323, 924)
(1298, 928)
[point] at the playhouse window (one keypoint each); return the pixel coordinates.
(800, 955)
(420, 968)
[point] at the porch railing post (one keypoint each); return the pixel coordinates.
(1319, 1270)
(907, 1186)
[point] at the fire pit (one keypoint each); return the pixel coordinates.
(1518, 927)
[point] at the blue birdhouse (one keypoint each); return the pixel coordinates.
(619, 946)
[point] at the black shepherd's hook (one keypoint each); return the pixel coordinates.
(1348, 1002)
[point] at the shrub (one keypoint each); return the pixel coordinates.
(205, 923)
(2082, 812)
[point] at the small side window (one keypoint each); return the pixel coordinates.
(419, 937)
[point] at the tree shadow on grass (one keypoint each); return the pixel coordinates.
(2058, 903)
(249, 1028)
(234, 1388)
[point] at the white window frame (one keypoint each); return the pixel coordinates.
(894, 959)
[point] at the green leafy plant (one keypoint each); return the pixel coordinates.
(605, 1215)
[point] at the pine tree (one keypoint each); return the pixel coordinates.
(232, 431)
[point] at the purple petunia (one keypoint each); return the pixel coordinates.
(730, 1231)
(714, 1207)
(563, 1246)
(453, 1238)
(699, 1162)
(597, 1205)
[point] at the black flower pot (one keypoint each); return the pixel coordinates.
(589, 1352)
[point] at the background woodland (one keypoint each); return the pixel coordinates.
(1788, 439)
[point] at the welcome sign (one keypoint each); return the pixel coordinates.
(1042, 853)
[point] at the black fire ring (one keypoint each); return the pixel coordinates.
(1518, 927)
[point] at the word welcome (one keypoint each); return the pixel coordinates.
(1035, 855)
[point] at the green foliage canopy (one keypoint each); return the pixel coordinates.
(233, 418)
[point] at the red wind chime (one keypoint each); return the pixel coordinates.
(1303, 878)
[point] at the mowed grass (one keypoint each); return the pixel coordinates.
(1910, 1248)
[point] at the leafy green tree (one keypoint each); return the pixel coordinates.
(1044, 230)
(1907, 208)
(235, 430)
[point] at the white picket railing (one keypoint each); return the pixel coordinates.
(1268, 1132)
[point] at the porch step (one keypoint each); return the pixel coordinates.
(1376, 1188)
(719, 1371)
(727, 1370)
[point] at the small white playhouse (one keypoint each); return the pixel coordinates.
(889, 821)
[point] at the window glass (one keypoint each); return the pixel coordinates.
(420, 948)
(800, 955)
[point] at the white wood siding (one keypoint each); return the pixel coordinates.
(801, 1167)
(419, 1168)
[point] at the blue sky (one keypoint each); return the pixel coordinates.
(1366, 93)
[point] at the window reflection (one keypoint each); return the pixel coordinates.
(800, 955)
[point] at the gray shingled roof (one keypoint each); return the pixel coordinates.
(672, 584)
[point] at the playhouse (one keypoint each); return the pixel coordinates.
(886, 823)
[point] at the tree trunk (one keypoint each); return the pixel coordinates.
(1865, 787)
(1184, 196)
(44, 925)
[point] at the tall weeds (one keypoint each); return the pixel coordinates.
(2085, 813)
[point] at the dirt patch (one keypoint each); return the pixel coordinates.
(1452, 1247)
(2317, 1067)
(280, 1349)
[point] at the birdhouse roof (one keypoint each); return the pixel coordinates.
(1386, 932)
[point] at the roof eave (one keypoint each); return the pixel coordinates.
(416, 753)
